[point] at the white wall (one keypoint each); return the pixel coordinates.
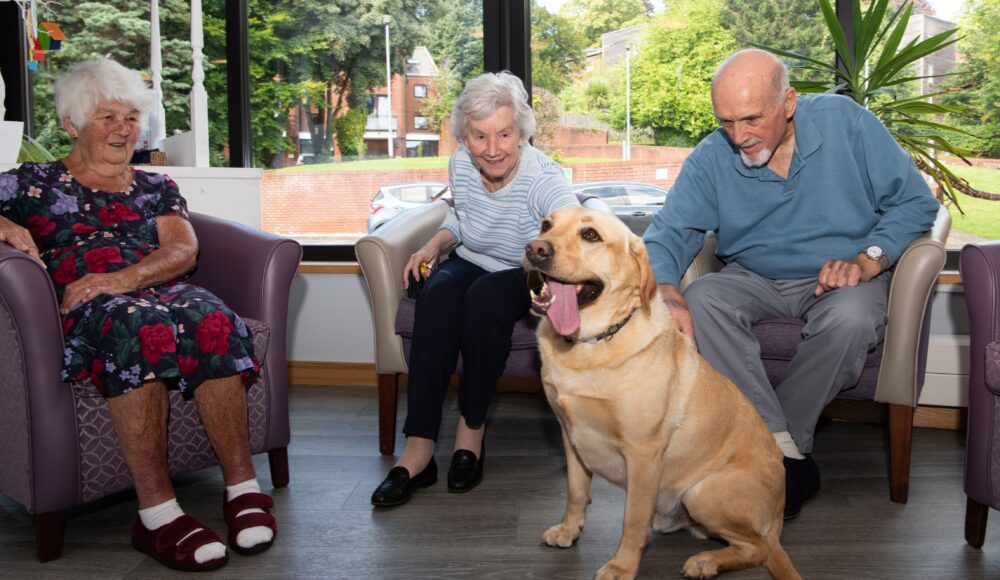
(331, 322)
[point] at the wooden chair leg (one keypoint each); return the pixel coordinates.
(976, 515)
(900, 442)
(388, 389)
(49, 530)
(277, 460)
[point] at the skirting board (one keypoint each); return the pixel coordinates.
(363, 375)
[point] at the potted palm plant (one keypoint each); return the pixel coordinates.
(872, 69)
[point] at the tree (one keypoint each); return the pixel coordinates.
(796, 25)
(556, 49)
(672, 74)
(977, 82)
(458, 51)
(595, 17)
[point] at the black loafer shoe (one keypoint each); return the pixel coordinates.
(801, 484)
(398, 486)
(466, 471)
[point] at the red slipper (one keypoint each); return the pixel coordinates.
(239, 523)
(164, 544)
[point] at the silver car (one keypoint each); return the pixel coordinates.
(391, 200)
(634, 203)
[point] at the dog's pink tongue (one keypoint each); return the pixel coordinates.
(564, 313)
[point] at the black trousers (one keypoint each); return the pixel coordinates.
(461, 309)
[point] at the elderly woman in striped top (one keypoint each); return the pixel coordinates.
(502, 188)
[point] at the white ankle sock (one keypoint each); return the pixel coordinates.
(256, 535)
(787, 445)
(160, 515)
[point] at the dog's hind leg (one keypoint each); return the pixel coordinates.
(578, 478)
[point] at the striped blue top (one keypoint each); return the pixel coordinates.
(492, 228)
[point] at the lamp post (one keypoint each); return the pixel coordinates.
(627, 143)
(386, 19)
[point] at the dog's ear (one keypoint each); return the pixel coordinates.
(647, 282)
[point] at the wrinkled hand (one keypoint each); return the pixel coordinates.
(19, 238)
(839, 273)
(678, 309)
(91, 286)
(421, 256)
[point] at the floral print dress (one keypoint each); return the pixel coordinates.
(174, 332)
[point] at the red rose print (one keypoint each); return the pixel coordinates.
(97, 374)
(67, 324)
(212, 333)
(155, 340)
(98, 259)
(116, 212)
(66, 271)
(107, 326)
(83, 229)
(40, 226)
(187, 364)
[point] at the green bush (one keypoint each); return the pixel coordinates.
(350, 129)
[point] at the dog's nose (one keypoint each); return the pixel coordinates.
(538, 251)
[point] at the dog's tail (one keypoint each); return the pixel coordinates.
(778, 563)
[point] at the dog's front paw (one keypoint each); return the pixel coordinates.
(562, 535)
(613, 571)
(700, 566)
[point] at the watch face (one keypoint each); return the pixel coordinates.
(874, 252)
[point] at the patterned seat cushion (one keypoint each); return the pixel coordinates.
(102, 468)
(993, 366)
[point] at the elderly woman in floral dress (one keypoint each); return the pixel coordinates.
(117, 243)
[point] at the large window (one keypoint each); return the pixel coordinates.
(620, 88)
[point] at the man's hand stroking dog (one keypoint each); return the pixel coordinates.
(639, 407)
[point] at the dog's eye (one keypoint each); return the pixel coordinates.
(546, 226)
(591, 235)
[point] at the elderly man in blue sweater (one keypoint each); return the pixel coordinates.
(812, 201)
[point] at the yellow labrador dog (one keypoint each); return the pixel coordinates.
(641, 408)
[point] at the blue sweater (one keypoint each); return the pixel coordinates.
(849, 186)
(493, 228)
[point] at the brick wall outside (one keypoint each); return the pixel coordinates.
(310, 203)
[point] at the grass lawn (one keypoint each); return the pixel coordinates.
(982, 217)
(411, 163)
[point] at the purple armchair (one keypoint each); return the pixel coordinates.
(57, 445)
(980, 269)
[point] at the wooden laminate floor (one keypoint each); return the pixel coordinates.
(328, 528)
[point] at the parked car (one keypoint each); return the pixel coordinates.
(391, 200)
(633, 203)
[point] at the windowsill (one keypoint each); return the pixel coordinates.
(311, 267)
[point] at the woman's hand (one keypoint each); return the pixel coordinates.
(91, 286)
(19, 238)
(442, 240)
(424, 255)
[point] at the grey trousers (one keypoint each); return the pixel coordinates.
(841, 327)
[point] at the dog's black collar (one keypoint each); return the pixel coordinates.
(607, 334)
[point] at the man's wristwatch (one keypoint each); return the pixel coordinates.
(877, 254)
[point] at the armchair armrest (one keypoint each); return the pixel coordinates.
(382, 256)
(252, 271)
(704, 263)
(907, 313)
(38, 438)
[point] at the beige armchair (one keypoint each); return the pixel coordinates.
(894, 371)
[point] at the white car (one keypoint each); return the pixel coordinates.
(391, 200)
(634, 203)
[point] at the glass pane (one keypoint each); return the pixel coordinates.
(124, 38)
(329, 131)
(621, 88)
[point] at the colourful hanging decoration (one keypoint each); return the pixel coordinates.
(40, 39)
